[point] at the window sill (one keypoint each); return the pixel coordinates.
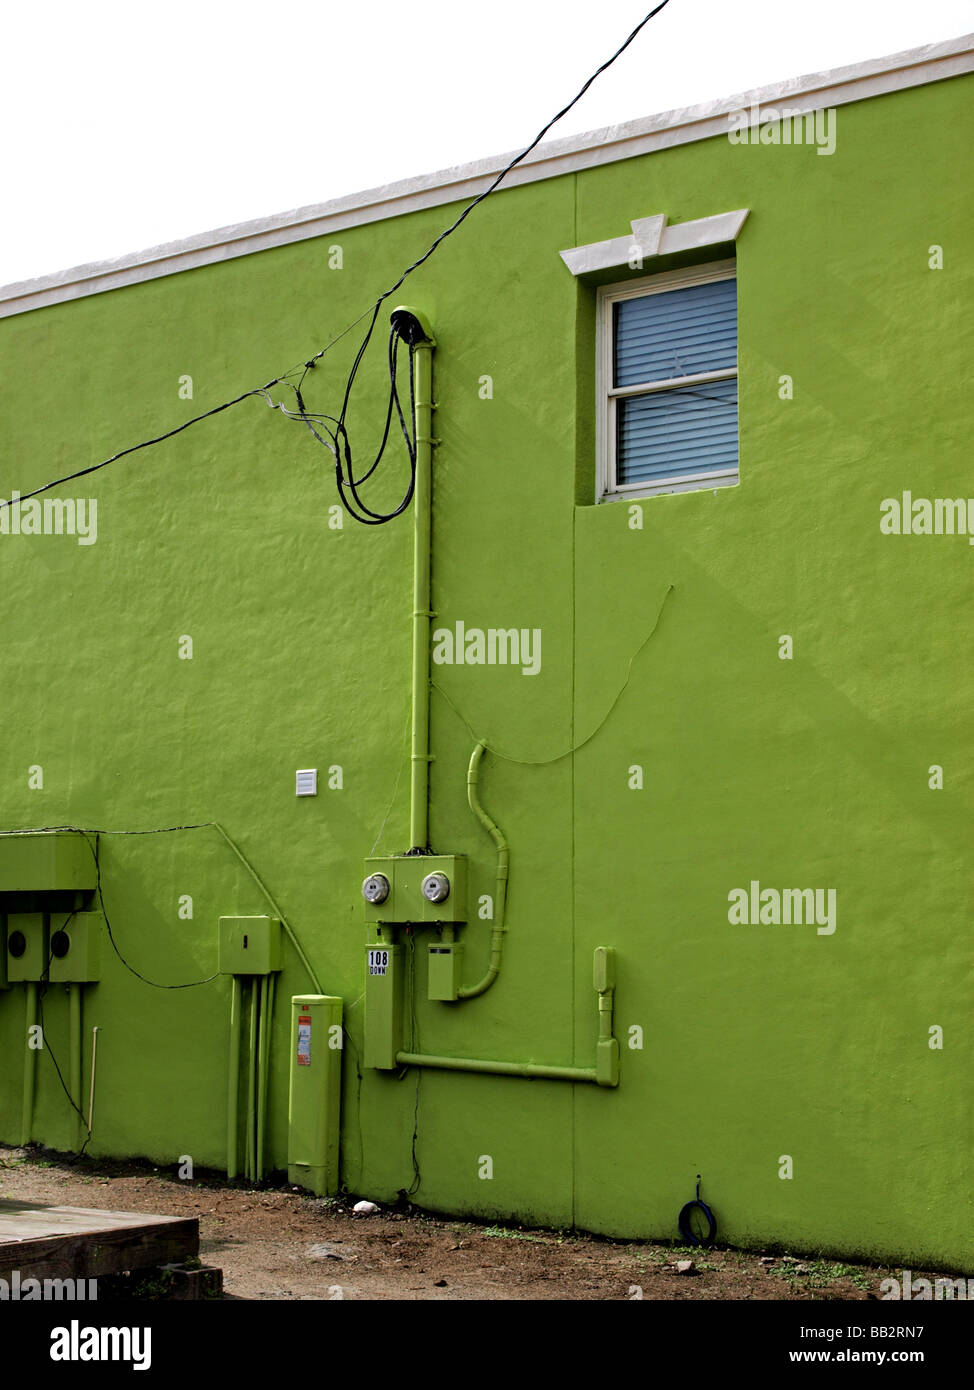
(637, 492)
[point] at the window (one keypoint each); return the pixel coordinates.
(667, 391)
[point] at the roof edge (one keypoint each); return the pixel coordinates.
(840, 86)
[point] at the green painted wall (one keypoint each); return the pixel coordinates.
(758, 1041)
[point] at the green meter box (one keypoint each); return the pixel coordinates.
(75, 948)
(26, 946)
(416, 888)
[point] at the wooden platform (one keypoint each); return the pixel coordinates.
(84, 1243)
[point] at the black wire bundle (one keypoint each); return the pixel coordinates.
(340, 444)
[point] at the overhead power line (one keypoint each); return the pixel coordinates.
(335, 428)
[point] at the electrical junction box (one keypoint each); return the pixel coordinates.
(445, 963)
(47, 861)
(383, 1004)
(406, 902)
(75, 949)
(250, 946)
(315, 1092)
(26, 946)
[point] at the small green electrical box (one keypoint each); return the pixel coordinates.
(445, 962)
(47, 861)
(26, 946)
(250, 945)
(75, 949)
(3, 951)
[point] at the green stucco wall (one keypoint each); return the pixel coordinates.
(758, 1041)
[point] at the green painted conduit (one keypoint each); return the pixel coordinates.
(236, 993)
(268, 985)
(30, 1064)
(253, 995)
(422, 614)
(500, 892)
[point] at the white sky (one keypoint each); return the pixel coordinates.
(129, 124)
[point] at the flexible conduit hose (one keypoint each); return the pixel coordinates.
(500, 893)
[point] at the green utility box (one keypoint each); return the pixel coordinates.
(75, 949)
(250, 945)
(315, 1093)
(3, 951)
(445, 964)
(383, 1003)
(26, 946)
(406, 903)
(48, 861)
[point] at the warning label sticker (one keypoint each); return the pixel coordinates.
(304, 1040)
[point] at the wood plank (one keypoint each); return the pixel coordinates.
(28, 1219)
(84, 1243)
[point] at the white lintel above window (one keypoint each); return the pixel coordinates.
(652, 237)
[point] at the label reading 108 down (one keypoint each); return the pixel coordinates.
(378, 960)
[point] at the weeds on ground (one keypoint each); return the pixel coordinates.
(506, 1234)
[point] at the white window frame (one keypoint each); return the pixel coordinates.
(607, 487)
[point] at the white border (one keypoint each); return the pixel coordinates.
(912, 68)
(606, 487)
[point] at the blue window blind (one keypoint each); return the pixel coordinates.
(673, 434)
(679, 431)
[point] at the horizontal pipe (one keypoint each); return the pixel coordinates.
(527, 1069)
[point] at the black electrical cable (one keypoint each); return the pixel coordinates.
(190, 984)
(341, 432)
(134, 448)
(414, 1186)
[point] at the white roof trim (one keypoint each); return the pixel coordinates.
(651, 237)
(932, 63)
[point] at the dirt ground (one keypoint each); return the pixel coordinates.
(278, 1243)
